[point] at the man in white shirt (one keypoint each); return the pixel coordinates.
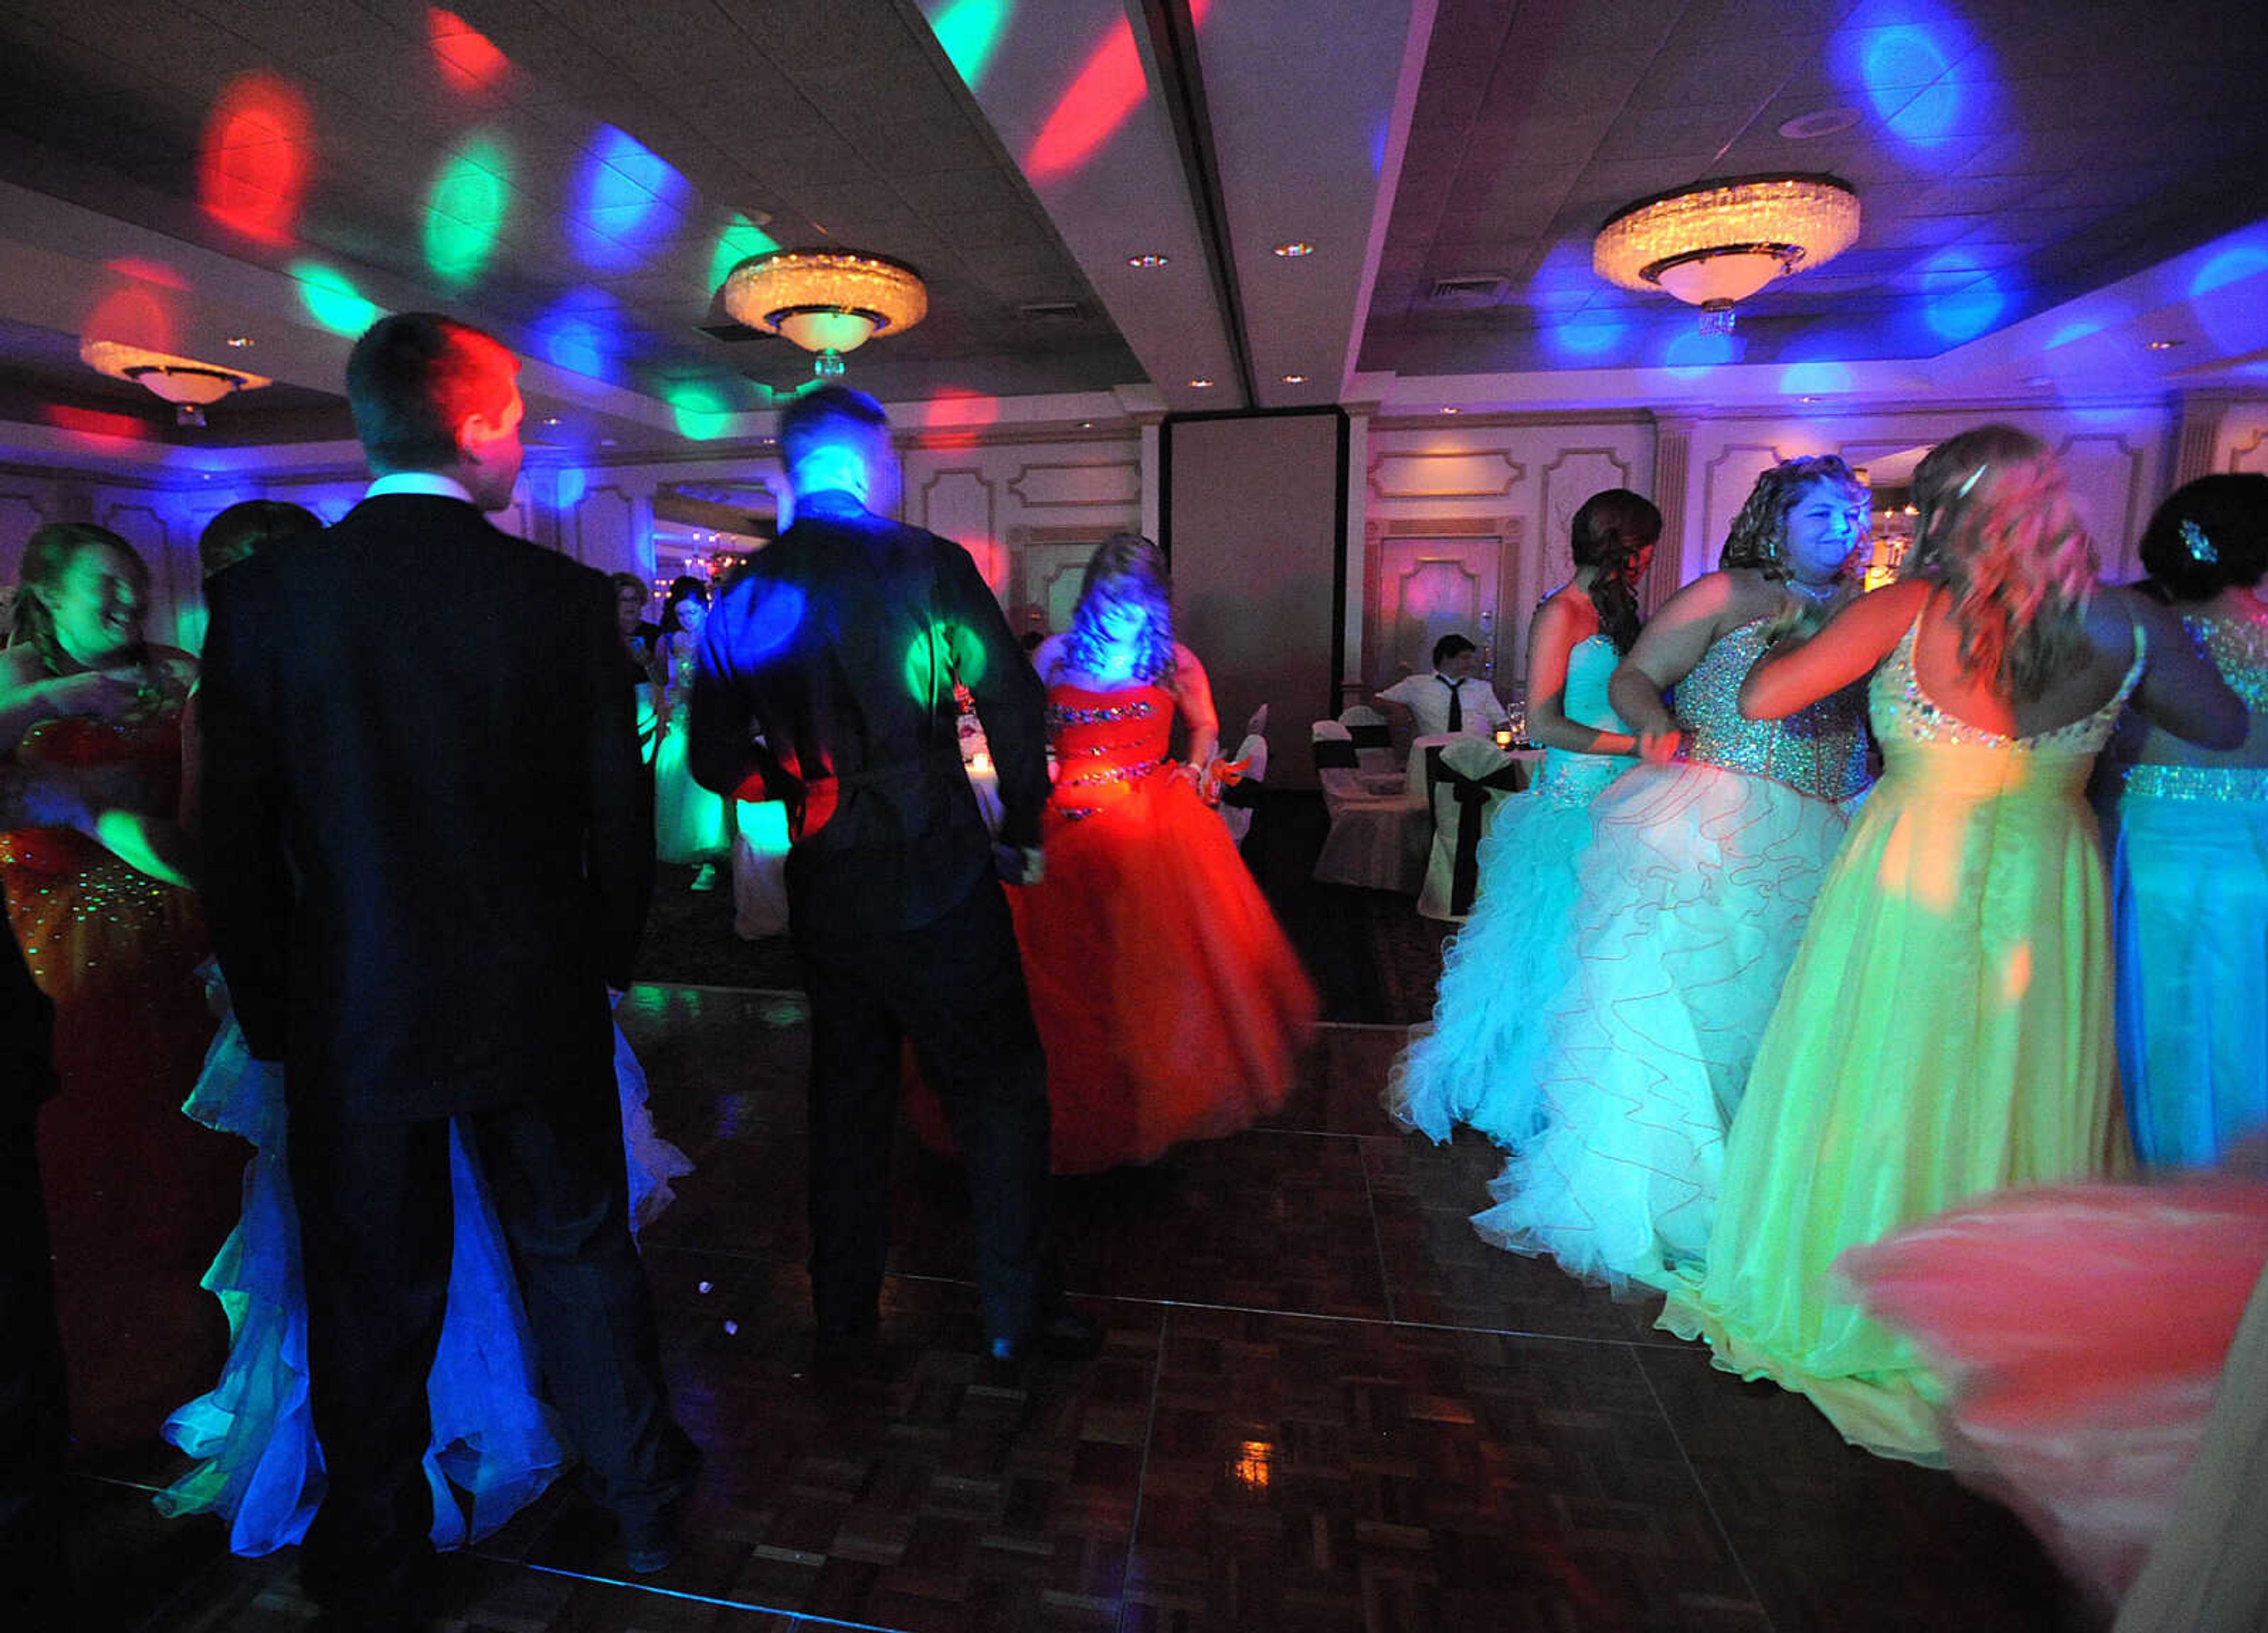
(1450, 700)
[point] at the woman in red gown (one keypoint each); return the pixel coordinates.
(139, 1198)
(1171, 1005)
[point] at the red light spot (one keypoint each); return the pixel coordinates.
(95, 422)
(149, 271)
(257, 155)
(134, 315)
(956, 416)
(1108, 88)
(467, 59)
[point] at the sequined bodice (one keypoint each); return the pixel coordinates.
(153, 747)
(1572, 778)
(1820, 749)
(2238, 648)
(1104, 742)
(1921, 740)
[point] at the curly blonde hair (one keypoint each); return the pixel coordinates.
(1995, 526)
(1758, 535)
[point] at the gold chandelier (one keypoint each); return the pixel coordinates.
(827, 301)
(1722, 241)
(189, 385)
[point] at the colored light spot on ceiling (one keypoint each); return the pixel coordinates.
(969, 30)
(258, 153)
(1690, 354)
(332, 299)
(1971, 302)
(2227, 296)
(581, 332)
(2231, 265)
(627, 202)
(465, 208)
(740, 238)
(702, 411)
(2077, 329)
(1109, 87)
(467, 59)
(574, 483)
(956, 417)
(94, 422)
(1814, 378)
(149, 271)
(136, 315)
(1589, 339)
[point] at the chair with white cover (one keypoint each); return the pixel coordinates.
(1237, 800)
(1372, 738)
(1469, 778)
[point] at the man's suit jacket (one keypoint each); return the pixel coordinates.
(427, 849)
(841, 641)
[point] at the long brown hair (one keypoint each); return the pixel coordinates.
(1610, 532)
(1125, 567)
(47, 555)
(1995, 526)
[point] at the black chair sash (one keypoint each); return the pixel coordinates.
(1335, 754)
(1471, 794)
(1369, 736)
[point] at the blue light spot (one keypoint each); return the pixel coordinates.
(582, 333)
(627, 202)
(1972, 301)
(1812, 380)
(574, 482)
(2230, 266)
(1590, 340)
(1691, 354)
(1377, 146)
(773, 612)
(2077, 329)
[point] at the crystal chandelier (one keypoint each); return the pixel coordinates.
(1722, 241)
(189, 385)
(827, 301)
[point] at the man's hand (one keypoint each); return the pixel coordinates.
(1019, 864)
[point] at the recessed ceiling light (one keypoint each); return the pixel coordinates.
(1826, 122)
(1086, 425)
(1807, 400)
(1146, 261)
(1202, 384)
(1453, 410)
(606, 442)
(1293, 250)
(241, 341)
(548, 419)
(1295, 379)
(2163, 345)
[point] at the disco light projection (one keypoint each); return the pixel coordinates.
(332, 299)
(95, 423)
(2227, 296)
(258, 153)
(1586, 339)
(1691, 354)
(702, 411)
(582, 332)
(969, 30)
(1109, 87)
(939, 657)
(1968, 309)
(956, 417)
(740, 238)
(467, 58)
(1901, 62)
(627, 202)
(465, 208)
(1815, 378)
(134, 316)
(157, 272)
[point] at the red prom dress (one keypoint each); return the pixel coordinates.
(138, 1196)
(1171, 1005)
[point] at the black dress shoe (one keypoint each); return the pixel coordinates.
(1061, 1335)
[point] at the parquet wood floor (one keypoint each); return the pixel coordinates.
(1324, 1404)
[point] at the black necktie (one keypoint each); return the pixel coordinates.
(1456, 705)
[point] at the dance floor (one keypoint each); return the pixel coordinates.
(1323, 1404)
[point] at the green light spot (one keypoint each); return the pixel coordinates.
(465, 209)
(740, 238)
(969, 30)
(954, 647)
(331, 300)
(702, 414)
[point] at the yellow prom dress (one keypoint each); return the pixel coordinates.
(1945, 1031)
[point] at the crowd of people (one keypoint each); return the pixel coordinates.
(1799, 1019)
(1798, 989)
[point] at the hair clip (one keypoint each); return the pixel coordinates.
(2198, 545)
(1971, 483)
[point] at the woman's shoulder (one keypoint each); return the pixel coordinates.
(21, 664)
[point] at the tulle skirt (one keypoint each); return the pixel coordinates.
(494, 1438)
(2081, 1332)
(2189, 907)
(1476, 1061)
(1695, 893)
(690, 824)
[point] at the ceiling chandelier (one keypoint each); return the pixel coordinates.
(189, 385)
(1722, 241)
(827, 301)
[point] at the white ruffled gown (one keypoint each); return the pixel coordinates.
(1693, 896)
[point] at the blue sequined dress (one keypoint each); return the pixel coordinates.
(494, 1438)
(1693, 896)
(1475, 1062)
(2190, 900)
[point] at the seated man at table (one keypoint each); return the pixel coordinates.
(1450, 700)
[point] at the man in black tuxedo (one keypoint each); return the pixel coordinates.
(428, 860)
(841, 643)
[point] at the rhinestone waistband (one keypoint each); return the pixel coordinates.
(2229, 784)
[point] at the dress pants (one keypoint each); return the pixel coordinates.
(34, 1574)
(377, 1232)
(955, 989)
